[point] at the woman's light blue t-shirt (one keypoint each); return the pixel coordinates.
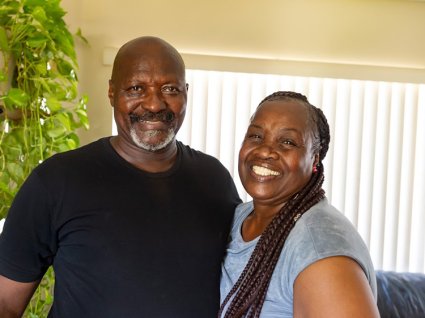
(321, 232)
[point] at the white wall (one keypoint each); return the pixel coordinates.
(378, 40)
(367, 39)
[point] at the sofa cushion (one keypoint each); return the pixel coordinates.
(401, 295)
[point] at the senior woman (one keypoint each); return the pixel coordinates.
(291, 253)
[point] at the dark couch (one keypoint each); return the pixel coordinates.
(401, 295)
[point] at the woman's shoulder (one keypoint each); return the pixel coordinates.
(242, 211)
(323, 232)
(323, 214)
(328, 231)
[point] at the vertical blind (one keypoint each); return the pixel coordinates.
(375, 167)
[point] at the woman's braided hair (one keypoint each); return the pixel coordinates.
(250, 290)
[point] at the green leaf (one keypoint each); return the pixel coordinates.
(35, 33)
(62, 147)
(83, 118)
(7, 10)
(33, 3)
(56, 132)
(63, 89)
(5, 187)
(64, 120)
(41, 68)
(80, 35)
(15, 171)
(65, 43)
(4, 178)
(82, 103)
(3, 76)
(10, 6)
(4, 43)
(51, 7)
(39, 14)
(37, 41)
(72, 144)
(65, 68)
(15, 138)
(16, 97)
(53, 104)
(44, 83)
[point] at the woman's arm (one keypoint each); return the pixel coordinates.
(334, 287)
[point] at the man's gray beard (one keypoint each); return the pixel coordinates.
(152, 133)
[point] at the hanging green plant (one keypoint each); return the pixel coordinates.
(39, 103)
(40, 109)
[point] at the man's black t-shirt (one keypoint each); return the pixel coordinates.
(123, 242)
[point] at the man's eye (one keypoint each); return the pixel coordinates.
(135, 88)
(170, 89)
(253, 136)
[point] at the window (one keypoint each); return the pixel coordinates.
(375, 167)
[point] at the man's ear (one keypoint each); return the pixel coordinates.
(111, 93)
(187, 87)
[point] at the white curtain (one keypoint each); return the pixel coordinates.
(375, 167)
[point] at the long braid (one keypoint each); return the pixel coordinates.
(248, 294)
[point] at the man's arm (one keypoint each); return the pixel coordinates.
(14, 297)
(334, 287)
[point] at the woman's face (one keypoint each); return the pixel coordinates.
(276, 158)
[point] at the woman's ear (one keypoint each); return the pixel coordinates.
(316, 159)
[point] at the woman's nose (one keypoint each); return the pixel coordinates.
(267, 151)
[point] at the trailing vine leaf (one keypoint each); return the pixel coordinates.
(53, 104)
(15, 171)
(16, 97)
(3, 76)
(41, 109)
(80, 36)
(4, 43)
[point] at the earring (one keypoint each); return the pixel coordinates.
(314, 169)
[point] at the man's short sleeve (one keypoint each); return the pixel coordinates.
(26, 242)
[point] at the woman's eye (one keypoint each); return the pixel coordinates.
(288, 142)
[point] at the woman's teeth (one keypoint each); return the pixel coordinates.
(264, 172)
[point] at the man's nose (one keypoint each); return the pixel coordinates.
(154, 101)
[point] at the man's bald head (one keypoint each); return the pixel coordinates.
(147, 47)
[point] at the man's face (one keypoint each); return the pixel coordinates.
(149, 96)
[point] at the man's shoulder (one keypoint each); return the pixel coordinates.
(83, 151)
(78, 158)
(189, 153)
(206, 168)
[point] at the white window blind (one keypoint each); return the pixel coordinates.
(375, 167)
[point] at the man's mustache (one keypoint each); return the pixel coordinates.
(163, 115)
